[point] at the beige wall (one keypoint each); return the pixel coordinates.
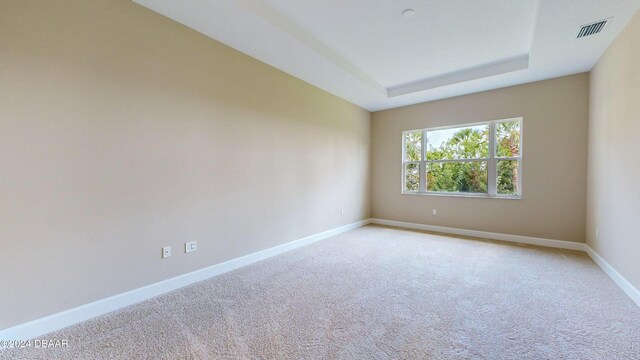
(554, 161)
(614, 155)
(122, 132)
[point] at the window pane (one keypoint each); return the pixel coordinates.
(462, 177)
(508, 139)
(413, 146)
(508, 177)
(458, 143)
(412, 177)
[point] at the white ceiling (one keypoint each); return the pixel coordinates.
(366, 52)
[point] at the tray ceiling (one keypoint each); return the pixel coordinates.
(369, 53)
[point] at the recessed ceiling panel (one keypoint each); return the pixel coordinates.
(441, 37)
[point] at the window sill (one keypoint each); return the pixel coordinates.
(462, 195)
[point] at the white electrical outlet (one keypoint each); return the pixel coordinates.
(597, 232)
(166, 252)
(190, 246)
(342, 212)
(435, 212)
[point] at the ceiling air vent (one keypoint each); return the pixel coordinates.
(593, 28)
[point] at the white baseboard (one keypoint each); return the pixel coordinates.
(561, 244)
(617, 278)
(623, 283)
(81, 313)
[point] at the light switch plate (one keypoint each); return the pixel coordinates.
(190, 246)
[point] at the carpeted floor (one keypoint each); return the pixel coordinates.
(377, 293)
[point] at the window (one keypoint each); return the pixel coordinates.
(482, 159)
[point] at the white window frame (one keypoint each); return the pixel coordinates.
(492, 161)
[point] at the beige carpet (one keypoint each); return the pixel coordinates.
(377, 293)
